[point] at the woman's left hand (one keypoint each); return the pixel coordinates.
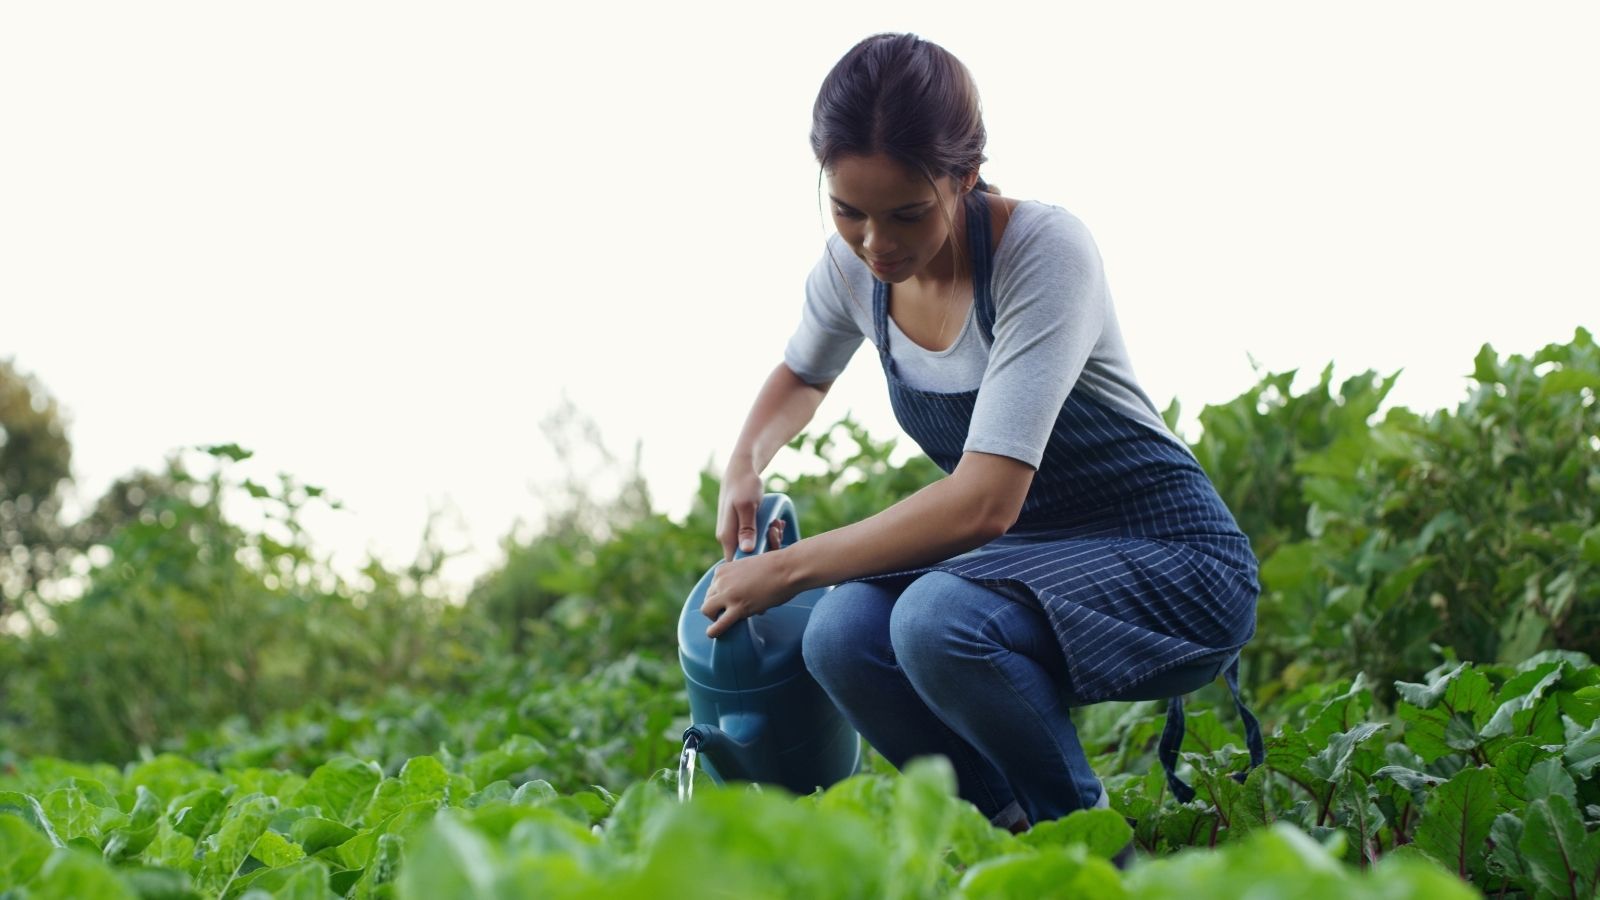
(746, 586)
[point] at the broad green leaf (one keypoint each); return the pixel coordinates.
(624, 828)
(1511, 767)
(1456, 820)
(315, 834)
(1050, 872)
(341, 788)
(536, 792)
(1331, 762)
(1462, 688)
(170, 776)
(493, 792)
(1548, 777)
(1340, 713)
(423, 779)
(26, 808)
(1568, 381)
(448, 860)
(842, 856)
(1410, 779)
(537, 829)
(382, 870)
(357, 851)
(1505, 860)
(171, 849)
(198, 812)
(1204, 733)
(972, 837)
(141, 828)
(242, 824)
(1360, 817)
(306, 879)
(125, 843)
(516, 754)
(1514, 714)
(924, 815)
(157, 883)
(274, 850)
(74, 815)
(1445, 715)
(71, 874)
(1103, 831)
(23, 849)
(1557, 851)
(1583, 752)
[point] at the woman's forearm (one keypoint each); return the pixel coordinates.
(942, 520)
(783, 407)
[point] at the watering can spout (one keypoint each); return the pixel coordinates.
(732, 748)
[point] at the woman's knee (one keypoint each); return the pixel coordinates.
(938, 615)
(841, 634)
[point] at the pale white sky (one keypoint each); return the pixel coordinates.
(376, 242)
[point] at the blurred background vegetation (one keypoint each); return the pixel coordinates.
(154, 622)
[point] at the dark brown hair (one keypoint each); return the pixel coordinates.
(907, 98)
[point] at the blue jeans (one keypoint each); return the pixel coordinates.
(937, 664)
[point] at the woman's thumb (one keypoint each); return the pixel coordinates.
(747, 528)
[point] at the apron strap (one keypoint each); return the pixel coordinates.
(1172, 736)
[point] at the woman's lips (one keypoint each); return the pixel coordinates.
(886, 267)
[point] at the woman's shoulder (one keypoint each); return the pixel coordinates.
(1044, 231)
(1031, 219)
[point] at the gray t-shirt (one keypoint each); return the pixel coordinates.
(1055, 331)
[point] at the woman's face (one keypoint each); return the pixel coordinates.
(893, 219)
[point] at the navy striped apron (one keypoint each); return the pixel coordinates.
(1134, 558)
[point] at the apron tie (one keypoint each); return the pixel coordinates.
(1172, 736)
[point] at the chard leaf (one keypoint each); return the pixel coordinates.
(1340, 713)
(1456, 819)
(1332, 761)
(1583, 752)
(1103, 831)
(1505, 860)
(923, 820)
(196, 813)
(1547, 778)
(1445, 715)
(315, 834)
(516, 754)
(1361, 818)
(23, 849)
(341, 788)
(274, 850)
(1559, 854)
(1524, 693)
(26, 808)
(1410, 779)
(225, 850)
(75, 814)
(1052, 872)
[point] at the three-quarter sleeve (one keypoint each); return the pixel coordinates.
(827, 335)
(1050, 308)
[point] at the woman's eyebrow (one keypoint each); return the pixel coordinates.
(896, 209)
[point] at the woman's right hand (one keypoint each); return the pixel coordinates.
(737, 505)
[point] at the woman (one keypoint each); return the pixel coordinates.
(1075, 553)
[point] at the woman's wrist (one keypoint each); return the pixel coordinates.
(742, 462)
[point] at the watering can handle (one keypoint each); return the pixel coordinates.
(774, 506)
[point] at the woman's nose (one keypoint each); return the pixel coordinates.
(876, 242)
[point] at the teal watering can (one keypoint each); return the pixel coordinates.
(757, 713)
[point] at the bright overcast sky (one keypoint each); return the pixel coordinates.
(377, 242)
